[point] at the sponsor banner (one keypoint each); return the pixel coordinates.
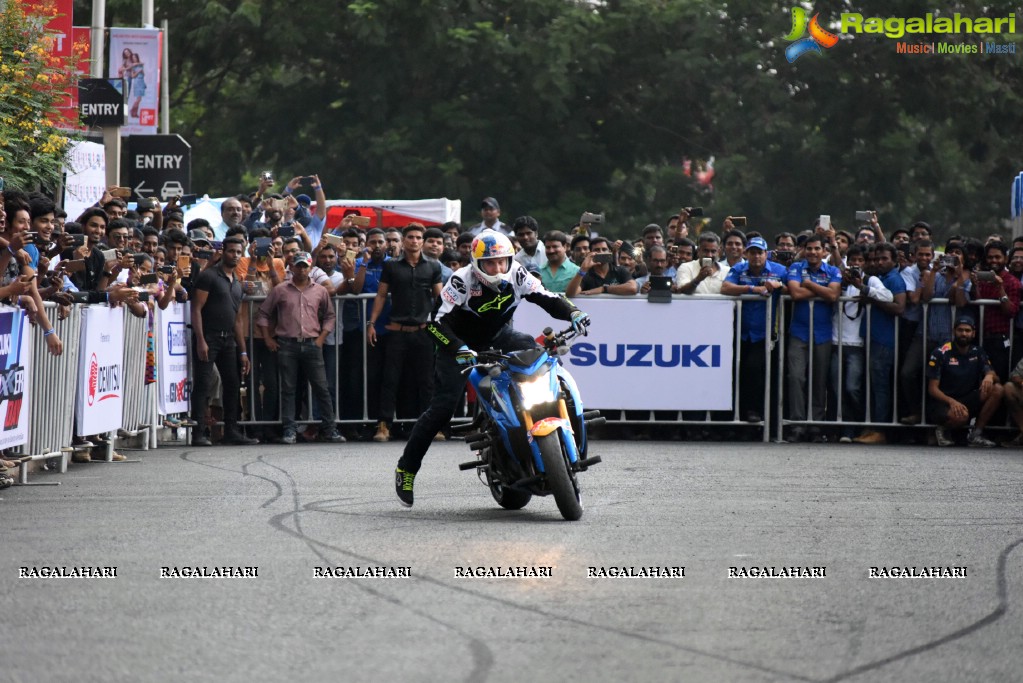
(86, 170)
(15, 352)
(643, 356)
(173, 340)
(100, 396)
(135, 57)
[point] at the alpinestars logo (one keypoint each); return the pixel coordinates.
(817, 39)
(495, 304)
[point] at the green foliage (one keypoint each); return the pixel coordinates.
(556, 107)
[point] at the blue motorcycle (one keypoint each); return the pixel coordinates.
(530, 434)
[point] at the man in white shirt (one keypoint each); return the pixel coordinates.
(702, 275)
(533, 254)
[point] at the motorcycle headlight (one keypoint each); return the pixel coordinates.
(536, 392)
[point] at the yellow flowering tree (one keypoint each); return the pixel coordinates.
(33, 82)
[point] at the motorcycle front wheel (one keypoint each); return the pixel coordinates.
(559, 479)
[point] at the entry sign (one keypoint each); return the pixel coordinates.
(100, 102)
(159, 166)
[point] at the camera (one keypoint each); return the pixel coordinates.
(854, 272)
(593, 218)
(781, 257)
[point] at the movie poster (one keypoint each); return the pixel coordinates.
(135, 58)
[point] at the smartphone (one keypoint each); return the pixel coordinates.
(217, 245)
(602, 258)
(149, 278)
(79, 240)
(187, 199)
(143, 296)
(738, 221)
(203, 254)
(76, 266)
(864, 216)
(949, 262)
(593, 218)
(184, 262)
(109, 254)
(694, 211)
(349, 256)
(824, 222)
(263, 245)
(267, 176)
(1, 184)
(286, 231)
(362, 221)
(335, 241)
(985, 275)
(706, 262)
(280, 204)
(121, 192)
(167, 270)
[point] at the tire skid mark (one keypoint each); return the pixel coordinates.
(1002, 591)
(243, 471)
(482, 656)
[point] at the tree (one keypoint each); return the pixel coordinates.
(33, 81)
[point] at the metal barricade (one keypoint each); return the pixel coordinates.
(137, 413)
(54, 381)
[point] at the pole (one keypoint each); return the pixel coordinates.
(147, 14)
(111, 134)
(165, 82)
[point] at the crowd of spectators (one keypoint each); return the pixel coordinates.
(856, 335)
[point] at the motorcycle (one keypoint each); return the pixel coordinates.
(530, 432)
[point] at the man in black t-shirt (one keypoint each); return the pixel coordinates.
(961, 385)
(598, 276)
(218, 336)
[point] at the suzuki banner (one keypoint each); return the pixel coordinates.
(15, 352)
(100, 396)
(172, 339)
(644, 356)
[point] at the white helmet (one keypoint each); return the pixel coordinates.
(490, 244)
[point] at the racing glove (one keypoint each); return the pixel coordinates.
(465, 355)
(580, 321)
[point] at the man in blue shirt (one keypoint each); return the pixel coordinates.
(754, 275)
(881, 340)
(814, 287)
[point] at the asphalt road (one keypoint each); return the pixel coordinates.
(705, 507)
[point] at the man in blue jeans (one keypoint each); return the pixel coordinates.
(304, 317)
(881, 339)
(814, 287)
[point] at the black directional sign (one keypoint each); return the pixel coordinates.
(101, 101)
(159, 166)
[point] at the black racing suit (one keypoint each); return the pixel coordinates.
(472, 313)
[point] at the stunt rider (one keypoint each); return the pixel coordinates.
(474, 313)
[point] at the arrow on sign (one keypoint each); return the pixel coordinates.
(142, 191)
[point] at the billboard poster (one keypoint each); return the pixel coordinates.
(135, 57)
(15, 352)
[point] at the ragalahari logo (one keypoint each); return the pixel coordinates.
(817, 39)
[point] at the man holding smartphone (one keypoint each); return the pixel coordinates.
(597, 276)
(704, 274)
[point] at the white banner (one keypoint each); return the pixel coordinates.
(15, 355)
(86, 178)
(644, 356)
(100, 396)
(135, 57)
(172, 341)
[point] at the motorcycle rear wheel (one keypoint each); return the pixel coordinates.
(559, 479)
(509, 499)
